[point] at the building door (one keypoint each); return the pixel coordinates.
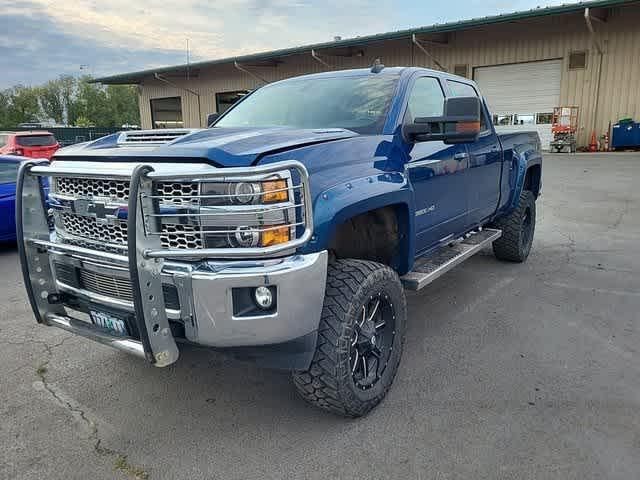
(521, 96)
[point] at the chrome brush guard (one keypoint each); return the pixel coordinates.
(144, 255)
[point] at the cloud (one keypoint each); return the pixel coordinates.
(40, 39)
(33, 48)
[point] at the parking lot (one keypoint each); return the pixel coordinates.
(509, 371)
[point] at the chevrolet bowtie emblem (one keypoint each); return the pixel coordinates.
(101, 211)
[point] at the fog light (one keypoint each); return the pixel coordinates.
(263, 297)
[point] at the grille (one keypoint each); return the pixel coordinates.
(172, 235)
(189, 214)
(89, 188)
(106, 285)
(88, 227)
(66, 274)
(176, 190)
(119, 190)
(93, 246)
(114, 287)
(180, 236)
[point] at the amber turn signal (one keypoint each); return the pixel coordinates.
(274, 191)
(467, 127)
(274, 236)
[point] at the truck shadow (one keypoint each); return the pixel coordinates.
(210, 389)
(8, 248)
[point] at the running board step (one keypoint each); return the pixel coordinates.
(427, 269)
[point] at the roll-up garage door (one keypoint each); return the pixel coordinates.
(521, 96)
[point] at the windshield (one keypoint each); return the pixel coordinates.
(355, 103)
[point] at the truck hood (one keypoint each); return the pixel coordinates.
(224, 147)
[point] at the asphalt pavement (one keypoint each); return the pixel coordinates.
(527, 371)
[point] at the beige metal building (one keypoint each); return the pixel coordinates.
(585, 54)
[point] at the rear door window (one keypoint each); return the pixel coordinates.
(8, 172)
(35, 140)
(459, 89)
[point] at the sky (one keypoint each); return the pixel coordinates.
(41, 39)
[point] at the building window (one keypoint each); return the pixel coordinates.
(524, 119)
(500, 120)
(461, 70)
(544, 118)
(225, 100)
(166, 112)
(577, 60)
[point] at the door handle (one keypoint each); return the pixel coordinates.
(460, 156)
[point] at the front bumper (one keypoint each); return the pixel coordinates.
(212, 295)
(208, 303)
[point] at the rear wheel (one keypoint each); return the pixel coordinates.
(518, 229)
(360, 339)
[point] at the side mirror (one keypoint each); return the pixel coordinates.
(459, 124)
(211, 118)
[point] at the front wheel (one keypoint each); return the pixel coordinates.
(518, 229)
(360, 339)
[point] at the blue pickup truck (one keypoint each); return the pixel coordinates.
(285, 233)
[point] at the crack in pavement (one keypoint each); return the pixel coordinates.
(624, 211)
(79, 413)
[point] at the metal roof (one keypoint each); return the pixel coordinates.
(135, 77)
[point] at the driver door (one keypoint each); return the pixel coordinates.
(437, 172)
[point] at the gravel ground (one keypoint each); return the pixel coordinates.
(509, 371)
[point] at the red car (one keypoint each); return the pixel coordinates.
(38, 144)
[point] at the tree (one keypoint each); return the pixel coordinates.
(123, 100)
(72, 101)
(57, 97)
(83, 122)
(4, 108)
(20, 104)
(92, 103)
(51, 101)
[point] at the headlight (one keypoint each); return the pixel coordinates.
(244, 237)
(258, 213)
(244, 193)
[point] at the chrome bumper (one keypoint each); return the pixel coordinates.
(206, 289)
(206, 297)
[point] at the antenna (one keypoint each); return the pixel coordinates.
(188, 60)
(377, 66)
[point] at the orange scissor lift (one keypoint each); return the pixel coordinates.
(564, 128)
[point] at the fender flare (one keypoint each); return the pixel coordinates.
(336, 205)
(523, 160)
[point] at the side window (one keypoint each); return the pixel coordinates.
(459, 89)
(426, 99)
(484, 124)
(3, 140)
